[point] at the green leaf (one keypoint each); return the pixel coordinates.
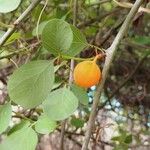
(60, 65)
(56, 85)
(60, 104)
(78, 44)
(89, 2)
(40, 28)
(24, 139)
(57, 36)
(142, 39)
(116, 138)
(58, 82)
(44, 125)
(8, 5)
(121, 147)
(128, 139)
(22, 124)
(5, 116)
(13, 37)
(123, 132)
(36, 12)
(80, 93)
(77, 122)
(30, 84)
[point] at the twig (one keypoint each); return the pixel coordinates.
(5, 25)
(74, 140)
(39, 19)
(134, 44)
(130, 76)
(93, 20)
(23, 50)
(14, 63)
(75, 8)
(110, 54)
(12, 54)
(62, 134)
(130, 5)
(69, 136)
(98, 3)
(11, 30)
(109, 33)
(124, 82)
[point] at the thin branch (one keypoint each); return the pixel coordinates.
(11, 60)
(23, 50)
(109, 33)
(97, 19)
(130, 5)
(134, 45)
(62, 134)
(75, 9)
(12, 54)
(39, 19)
(98, 3)
(130, 76)
(11, 30)
(110, 55)
(125, 81)
(86, 5)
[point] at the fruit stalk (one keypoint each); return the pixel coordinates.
(98, 56)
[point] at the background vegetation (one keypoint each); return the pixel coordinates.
(45, 32)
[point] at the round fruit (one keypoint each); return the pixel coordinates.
(87, 73)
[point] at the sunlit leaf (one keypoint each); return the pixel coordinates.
(8, 5)
(44, 125)
(60, 104)
(57, 36)
(30, 84)
(5, 116)
(23, 139)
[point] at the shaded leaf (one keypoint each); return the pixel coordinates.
(22, 124)
(13, 37)
(128, 139)
(116, 138)
(80, 93)
(142, 39)
(77, 122)
(78, 44)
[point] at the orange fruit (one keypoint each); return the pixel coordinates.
(87, 73)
